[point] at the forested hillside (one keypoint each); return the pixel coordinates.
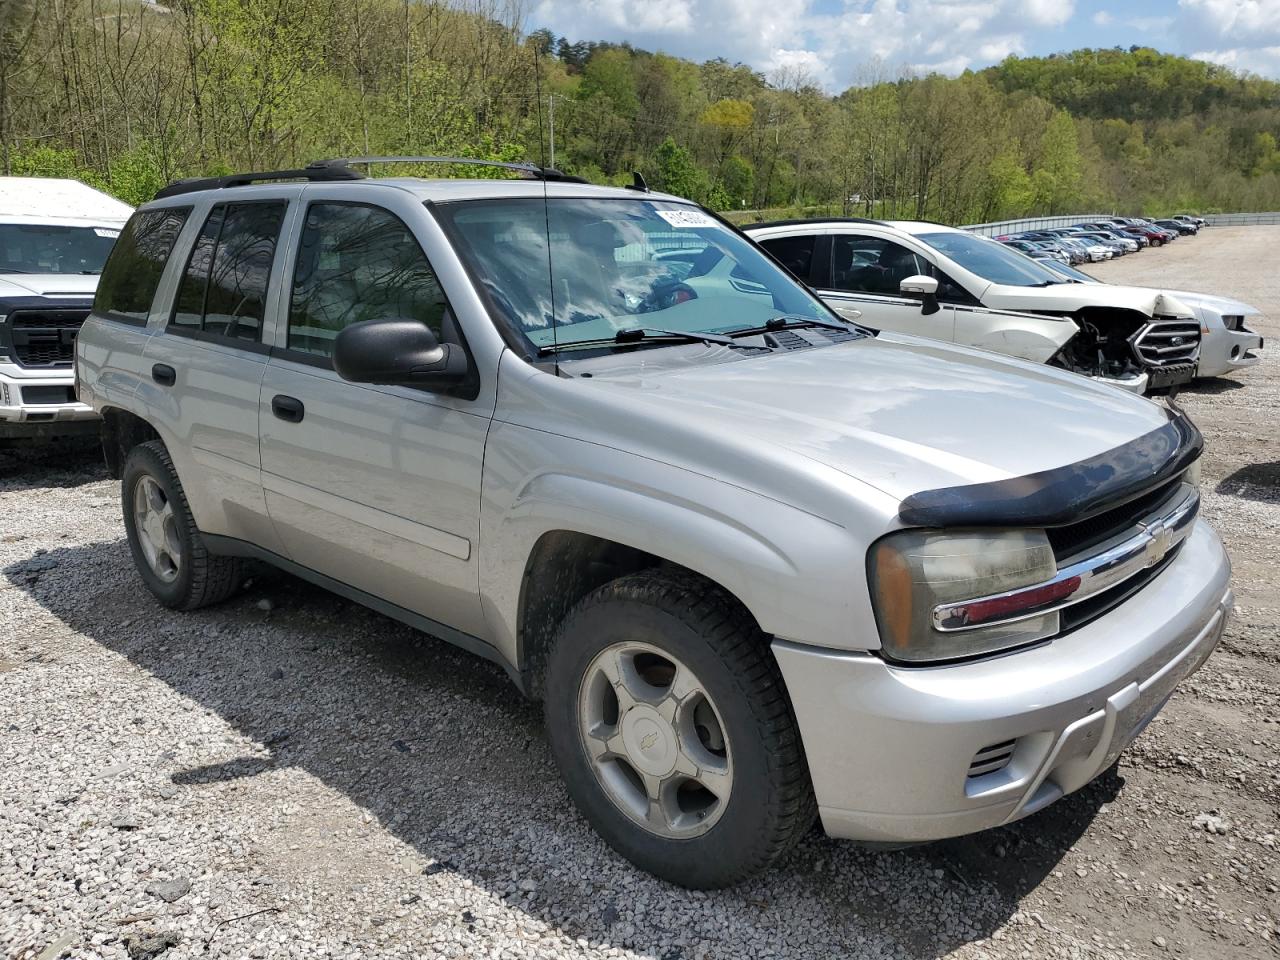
(132, 93)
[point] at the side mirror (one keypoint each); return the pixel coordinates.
(926, 288)
(398, 352)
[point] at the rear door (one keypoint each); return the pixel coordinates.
(204, 371)
(376, 487)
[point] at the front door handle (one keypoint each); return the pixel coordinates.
(287, 408)
(164, 374)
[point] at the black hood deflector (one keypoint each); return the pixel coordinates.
(1067, 494)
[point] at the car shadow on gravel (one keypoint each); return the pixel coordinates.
(441, 751)
(36, 465)
(1257, 481)
(1212, 386)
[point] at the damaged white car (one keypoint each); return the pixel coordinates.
(935, 281)
(1226, 344)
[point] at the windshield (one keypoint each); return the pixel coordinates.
(46, 248)
(620, 264)
(989, 260)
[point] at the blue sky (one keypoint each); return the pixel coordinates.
(840, 42)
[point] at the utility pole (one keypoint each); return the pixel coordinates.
(551, 114)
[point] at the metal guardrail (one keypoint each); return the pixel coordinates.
(1001, 227)
(1242, 219)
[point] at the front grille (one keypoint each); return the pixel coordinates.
(992, 759)
(1077, 615)
(1073, 539)
(1168, 342)
(45, 338)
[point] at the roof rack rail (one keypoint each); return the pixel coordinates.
(340, 169)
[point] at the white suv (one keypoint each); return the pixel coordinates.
(934, 281)
(54, 238)
(757, 563)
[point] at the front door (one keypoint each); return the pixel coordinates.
(377, 487)
(864, 285)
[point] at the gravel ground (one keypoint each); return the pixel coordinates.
(291, 775)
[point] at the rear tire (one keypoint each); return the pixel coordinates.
(671, 725)
(167, 548)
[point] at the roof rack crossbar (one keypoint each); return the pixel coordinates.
(528, 169)
(311, 173)
(340, 169)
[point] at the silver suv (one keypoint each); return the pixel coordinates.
(757, 563)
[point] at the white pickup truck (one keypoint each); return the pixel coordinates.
(54, 238)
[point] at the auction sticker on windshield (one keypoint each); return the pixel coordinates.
(686, 218)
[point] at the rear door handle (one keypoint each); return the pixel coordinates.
(164, 374)
(287, 408)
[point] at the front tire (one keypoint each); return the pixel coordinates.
(167, 548)
(671, 725)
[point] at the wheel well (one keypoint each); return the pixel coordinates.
(121, 432)
(563, 567)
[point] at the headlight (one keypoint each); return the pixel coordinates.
(916, 571)
(1192, 475)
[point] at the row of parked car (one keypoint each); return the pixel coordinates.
(1102, 239)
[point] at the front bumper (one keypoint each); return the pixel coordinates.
(890, 748)
(43, 406)
(1222, 351)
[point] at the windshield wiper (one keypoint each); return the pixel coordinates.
(793, 323)
(654, 335)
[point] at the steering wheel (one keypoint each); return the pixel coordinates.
(667, 293)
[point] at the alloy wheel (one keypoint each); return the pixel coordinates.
(157, 529)
(655, 740)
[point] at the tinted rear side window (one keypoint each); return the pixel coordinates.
(132, 273)
(224, 287)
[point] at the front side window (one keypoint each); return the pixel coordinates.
(569, 270)
(224, 287)
(132, 273)
(988, 259)
(357, 262)
(872, 265)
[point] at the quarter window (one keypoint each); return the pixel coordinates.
(224, 287)
(872, 265)
(137, 260)
(357, 262)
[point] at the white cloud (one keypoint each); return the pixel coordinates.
(1244, 34)
(1249, 23)
(1102, 18)
(830, 46)
(1260, 60)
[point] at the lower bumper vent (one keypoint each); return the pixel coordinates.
(992, 759)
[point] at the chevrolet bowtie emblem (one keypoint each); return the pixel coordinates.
(1161, 540)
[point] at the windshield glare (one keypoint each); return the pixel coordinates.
(619, 264)
(46, 248)
(988, 259)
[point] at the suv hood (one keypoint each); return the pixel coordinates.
(79, 285)
(1070, 297)
(903, 415)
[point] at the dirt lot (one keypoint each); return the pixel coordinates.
(292, 775)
